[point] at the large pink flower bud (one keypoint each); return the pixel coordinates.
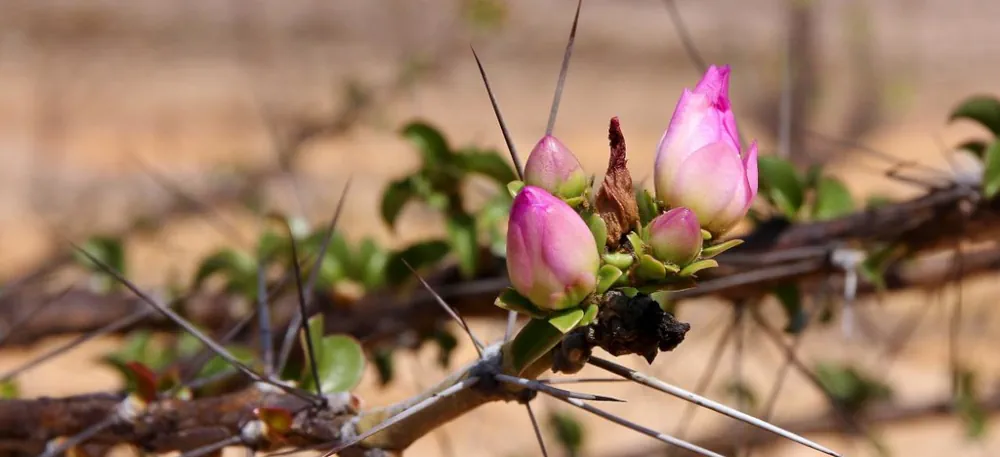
(554, 168)
(675, 236)
(699, 162)
(552, 258)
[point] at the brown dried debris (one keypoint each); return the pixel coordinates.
(616, 199)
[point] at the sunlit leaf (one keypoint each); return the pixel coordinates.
(429, 141)
(832, 199)
(239, 268)
(418, 255)
(510, 300)
(462, 237)
(566, 320)
(781, 184)
(394, 198)
(488, 163)
(108, 250)
(340, 359)
(851, 387)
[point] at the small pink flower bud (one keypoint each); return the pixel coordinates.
(552, 258)
(554, 168)
(699, 162)
(675, 236)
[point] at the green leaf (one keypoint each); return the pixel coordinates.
(781, 184)
(695, 267)
(462, 236)
(606, 277)
(852, 388)
(813, 175)
(622, 260)
(510, 300)
(566, 320)
(589, 314)
(487, 163)
(984, 109)
(384, 365)
(534, 340)
(991, 174)
(418, 255)
(514, 187)
(9, 390)
(662, 297)
(217, 365)
(790, 297)
(832, 199)
(238, 267)
(568, 431)
(429, 141)
(636, 241)
(394, 198)
(976, 147)
(650, 268)
(109, 251)
(970, 410)
(599, 229)
(648, 209)
(716, 249)
(340, 362)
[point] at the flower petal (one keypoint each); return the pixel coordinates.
(708, 180)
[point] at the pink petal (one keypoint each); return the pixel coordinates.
(707, 181)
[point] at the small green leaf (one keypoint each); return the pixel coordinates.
(790, 297)
(648, 209)
(429, 141)
(340, 362)
(418, 255)
(622, 260)
(510, 300)
(589, 314)
(606, 277)
(852, 388)
(716, 249)
(636, 241)
(706, 235)
(487, 163)
(781, 184)
(991, 174)
(566, 320)
(514, 187)
(394, 198)
(599, 229)
(650, 268)
(575, 202)
(629, 292)
(662, 297)
(568, 431)
(695, 267)
(534, 340)
(238, 267)
(833, 200)
(384, 365)
(462, 236)
(984, 109)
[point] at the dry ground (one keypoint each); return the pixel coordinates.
(85, 88)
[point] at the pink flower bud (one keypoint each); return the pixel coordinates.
(554, 168)
(552, 258)
(699, 162)
(675, 236)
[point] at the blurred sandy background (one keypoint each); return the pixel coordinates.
(93, 94)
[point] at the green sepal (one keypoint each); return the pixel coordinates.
(575, 201)
(622, 260)
(716, 249)
(671, 268)
(514, 187)
(662, 297)
(650, 268)
(574, 187)
(648, 209)
(706, 235)
(510, 300)
(636, 242)
(629, 292)
(566, 320)
(589, 314)
(599, 229)
(535, 339)
(695, 267)
(606, 277)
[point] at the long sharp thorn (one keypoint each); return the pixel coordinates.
(293, 326)
(496, 111)
(110, 328)
(455, 388)
(202, 357)
(85, 435)
(448, 309)
(563, 72)
(639, 428)
(210, 448)
(580, 380)
(177, 319)
(555, 391)
(538, 430)
(310, 350)
(654, 383)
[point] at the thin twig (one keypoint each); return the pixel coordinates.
(554, 391)
(448, 309)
